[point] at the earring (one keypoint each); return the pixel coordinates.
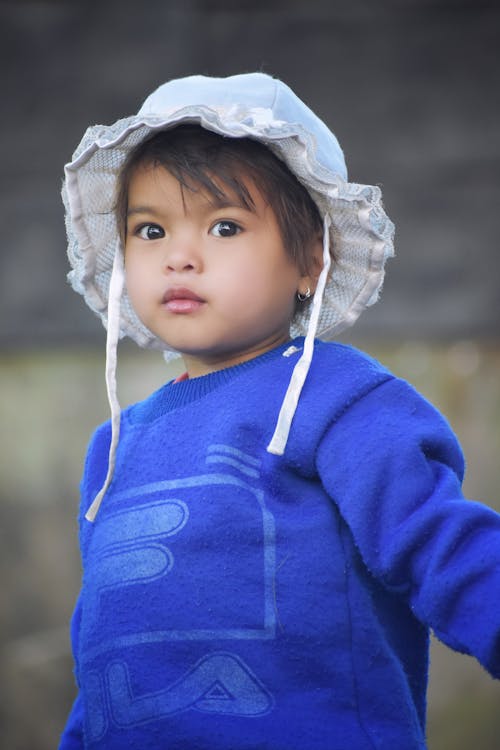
(302, 297)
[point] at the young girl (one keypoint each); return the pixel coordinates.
(266, 541)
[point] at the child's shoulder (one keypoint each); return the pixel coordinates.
(351, 378)
(345, 366)
(346, 375)
(346, 353)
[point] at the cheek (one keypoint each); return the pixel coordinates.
(268, 294)
(134, 281)
(129, 276)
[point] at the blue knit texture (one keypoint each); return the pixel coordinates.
(237, 600)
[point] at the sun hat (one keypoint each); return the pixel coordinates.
(252, 105)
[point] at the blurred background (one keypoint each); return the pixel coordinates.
(411, 88)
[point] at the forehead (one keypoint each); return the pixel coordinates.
(155, 190)
(236, 187)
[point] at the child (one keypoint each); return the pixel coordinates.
(267, 540)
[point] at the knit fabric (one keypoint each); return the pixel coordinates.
(237, 600)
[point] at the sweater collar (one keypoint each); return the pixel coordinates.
(174, 395)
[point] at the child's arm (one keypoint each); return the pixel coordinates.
(394, 469)
(93, 476)
(72, 736)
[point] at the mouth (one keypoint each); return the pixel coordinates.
(181, 300)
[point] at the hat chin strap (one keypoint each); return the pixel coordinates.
(116, 285)
(279, 439)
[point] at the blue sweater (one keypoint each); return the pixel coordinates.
(237, 600)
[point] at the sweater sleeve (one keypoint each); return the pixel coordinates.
(93, 476)
(394, 469)
(72, 736)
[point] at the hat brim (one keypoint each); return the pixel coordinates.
(361, 233)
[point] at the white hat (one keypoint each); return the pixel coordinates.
(254, 106)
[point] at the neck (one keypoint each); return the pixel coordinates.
(197, 366)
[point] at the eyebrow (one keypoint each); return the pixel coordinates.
(142, 210)
(217, 204)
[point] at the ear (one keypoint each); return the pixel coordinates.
(310, 280)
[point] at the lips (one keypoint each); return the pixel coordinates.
(181, 300)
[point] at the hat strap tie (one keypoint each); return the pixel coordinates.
(116, 285)
(279, 439)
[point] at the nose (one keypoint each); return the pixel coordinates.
(182, 254)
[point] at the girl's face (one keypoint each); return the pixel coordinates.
(211, 280)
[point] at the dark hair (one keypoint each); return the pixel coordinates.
(201, 159)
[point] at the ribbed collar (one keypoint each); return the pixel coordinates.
(174, 395)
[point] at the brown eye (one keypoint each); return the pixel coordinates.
(150, 232)
(225, 229)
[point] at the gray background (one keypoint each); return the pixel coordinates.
(411, 88)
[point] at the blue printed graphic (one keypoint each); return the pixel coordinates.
(126, 551)
(224, 454)
(218, 683)
(155, 550)
(97, 723)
